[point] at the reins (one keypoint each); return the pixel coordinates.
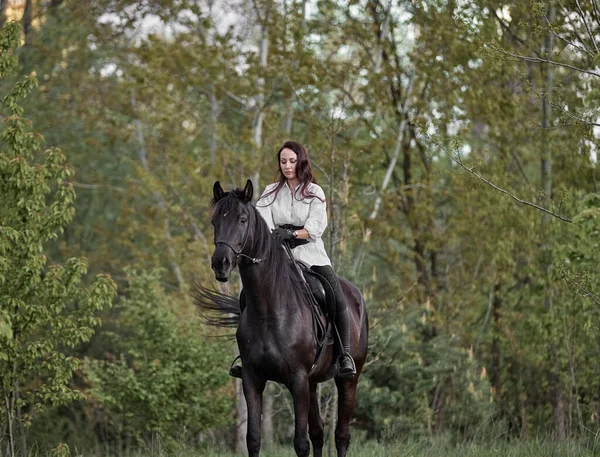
(239, 253)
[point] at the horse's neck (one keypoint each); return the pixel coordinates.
(267, 297)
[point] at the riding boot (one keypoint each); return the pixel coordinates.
(235, 370)
(347, 367)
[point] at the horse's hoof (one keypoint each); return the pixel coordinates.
(236, 371)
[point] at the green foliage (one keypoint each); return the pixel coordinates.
(395, 398)
(159, 374)
(45, 310)
(150, 121)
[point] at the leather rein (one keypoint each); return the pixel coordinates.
(239, 253)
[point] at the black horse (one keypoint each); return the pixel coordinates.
(275, 332)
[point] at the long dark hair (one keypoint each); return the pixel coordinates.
(303, 172)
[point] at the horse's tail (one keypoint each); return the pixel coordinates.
(216, 309)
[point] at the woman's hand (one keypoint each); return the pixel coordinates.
(281, 234)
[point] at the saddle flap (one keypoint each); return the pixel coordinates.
(320, 288)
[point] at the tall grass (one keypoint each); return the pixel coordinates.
(439, 447)
(444, 448)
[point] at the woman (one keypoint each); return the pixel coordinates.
(297, 201)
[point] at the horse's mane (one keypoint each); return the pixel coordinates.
(266, 247)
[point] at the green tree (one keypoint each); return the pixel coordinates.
(155, 376)
(44, 308)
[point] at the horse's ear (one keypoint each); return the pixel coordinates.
(218, 192)
(248, 191)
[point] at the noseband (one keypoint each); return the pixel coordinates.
(239, 253)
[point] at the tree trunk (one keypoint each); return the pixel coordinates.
(27, 20)
(260, 98)
(267, 416)
(524, 434)
(160, 200)
(20, 423)
(404, 121)
(241, 413)
(418, 248)
(598, 394)
(399, 141)
(214, 122)
(10, 437)
(558, 400)
(557, 394)
(495, 378)
(3, 5)
(546, 162)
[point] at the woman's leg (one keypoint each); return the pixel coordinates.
(347, 367)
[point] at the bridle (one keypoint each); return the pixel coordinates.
(239, 253)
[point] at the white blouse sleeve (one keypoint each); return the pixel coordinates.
(264, 206)
(316, 223)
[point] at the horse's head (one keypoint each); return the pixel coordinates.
(232, 224)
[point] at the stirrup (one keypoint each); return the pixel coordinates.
(235, 371)
(347, 368)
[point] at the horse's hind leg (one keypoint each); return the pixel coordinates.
(315, 423)
(346, 401)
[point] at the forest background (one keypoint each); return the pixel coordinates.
(457, 144)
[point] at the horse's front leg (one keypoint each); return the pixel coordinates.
(299, 389)
(253, 391)
(315, 423)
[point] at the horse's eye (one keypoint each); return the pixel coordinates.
(243, 220)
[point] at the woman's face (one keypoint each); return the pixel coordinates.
(287, 162)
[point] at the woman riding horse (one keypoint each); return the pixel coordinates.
(294, 210)
(275, 332)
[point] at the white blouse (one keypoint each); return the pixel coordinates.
(310, 213)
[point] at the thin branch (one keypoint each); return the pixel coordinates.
(458, 160)
(591, 35)
(580, 48)
(587, 293)
(382, 35)
(96, 186)
(399, 140)
(487, 317)
(505, 26)
(564, 111)
(596, 12)
(540, 60)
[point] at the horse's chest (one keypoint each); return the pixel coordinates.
(271, 348)
(263, 340)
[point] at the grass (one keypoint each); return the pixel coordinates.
(442, 448)
(437, 447)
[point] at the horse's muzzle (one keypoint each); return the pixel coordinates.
(222, 262)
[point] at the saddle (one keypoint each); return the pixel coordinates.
(320, 288)
(322, 307)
